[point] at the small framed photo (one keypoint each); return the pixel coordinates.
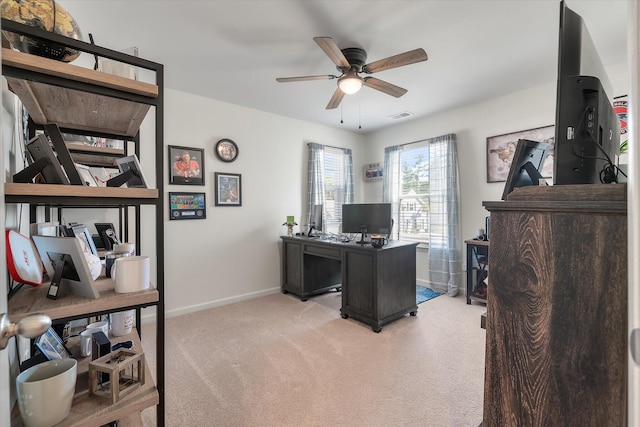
(501, 148)
(228, 189)
(131, 163)
(186, 165)
(226, 150)
(81, 231)
(52, 346)
(187, 206)
(86, 175)
(372, 172)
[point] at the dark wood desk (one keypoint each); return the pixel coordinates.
(378, 285)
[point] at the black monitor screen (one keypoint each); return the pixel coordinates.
(526, 167)
(372, 218)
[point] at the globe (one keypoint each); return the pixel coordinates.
(46, 15)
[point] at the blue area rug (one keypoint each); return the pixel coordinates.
(425, 294)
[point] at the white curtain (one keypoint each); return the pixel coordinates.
(391, 186)
(444, 239)
(316, 178)
(445, 244)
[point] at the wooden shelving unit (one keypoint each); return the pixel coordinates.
(92, 102)
(477, 270)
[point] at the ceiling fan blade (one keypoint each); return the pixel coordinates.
(335, 99)
(333, 51)
(382, 86)
(305, 78)
(395, 61)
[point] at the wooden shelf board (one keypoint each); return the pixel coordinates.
(61, 69)
(96, 411)
(477, 298)
(77, 109)
(29, 300)
(56, 190)
(81, 148)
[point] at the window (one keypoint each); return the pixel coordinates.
(330, 183)
(413, 212)
(421, 185)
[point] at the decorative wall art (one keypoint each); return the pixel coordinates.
(187, 206)
(620, 106)
(500, 150)
(228, 189)
(226, 150)
(373, 172)
(186, 165)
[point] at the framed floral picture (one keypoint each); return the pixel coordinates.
(501, 148)
(228, 189)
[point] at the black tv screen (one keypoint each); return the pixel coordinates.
(587, 131)
(372, 218)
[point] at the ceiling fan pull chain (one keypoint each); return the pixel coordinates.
(341, 114)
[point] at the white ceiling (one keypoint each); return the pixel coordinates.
(233, 50)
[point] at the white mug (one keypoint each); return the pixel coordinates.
(122, 322)
(86, 341)
(125, 247)
(130, 274)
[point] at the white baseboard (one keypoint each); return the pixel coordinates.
(151, 315)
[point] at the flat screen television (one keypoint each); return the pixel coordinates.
(366, 218)
(587, 130)
(526, 167)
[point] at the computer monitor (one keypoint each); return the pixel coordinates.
(587, 131)
(366, 218)
(526, 167)
(64, 260)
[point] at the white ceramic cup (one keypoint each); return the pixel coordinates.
(122, 322)
(86, 339)
(45, 392)
(125, 247)
(131, 274)
(103, 326)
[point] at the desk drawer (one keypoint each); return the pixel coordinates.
(322, 251)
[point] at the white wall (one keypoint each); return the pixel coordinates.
(234, 253)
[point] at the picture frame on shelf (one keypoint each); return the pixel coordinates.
(86, 175)
(187, 206)
(131, 163)
(81, 231)
(501, 148)
(101, 175)
(51, 346)
(228, 188)
(40, 151)
(186, 165)
(107, 233)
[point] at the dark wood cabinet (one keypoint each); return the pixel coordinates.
(556, 351)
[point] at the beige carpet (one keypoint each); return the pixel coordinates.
(277, 361)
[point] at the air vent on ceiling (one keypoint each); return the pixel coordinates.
(400, 115)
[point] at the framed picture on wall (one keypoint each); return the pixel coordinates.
(186, 165)
(187, 206)
(372, 172)
(228, 189)
(501, 148)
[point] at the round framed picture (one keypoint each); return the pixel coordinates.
(226, 150)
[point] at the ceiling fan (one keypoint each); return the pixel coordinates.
(351, 62)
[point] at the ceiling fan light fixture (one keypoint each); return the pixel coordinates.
(351, 83)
